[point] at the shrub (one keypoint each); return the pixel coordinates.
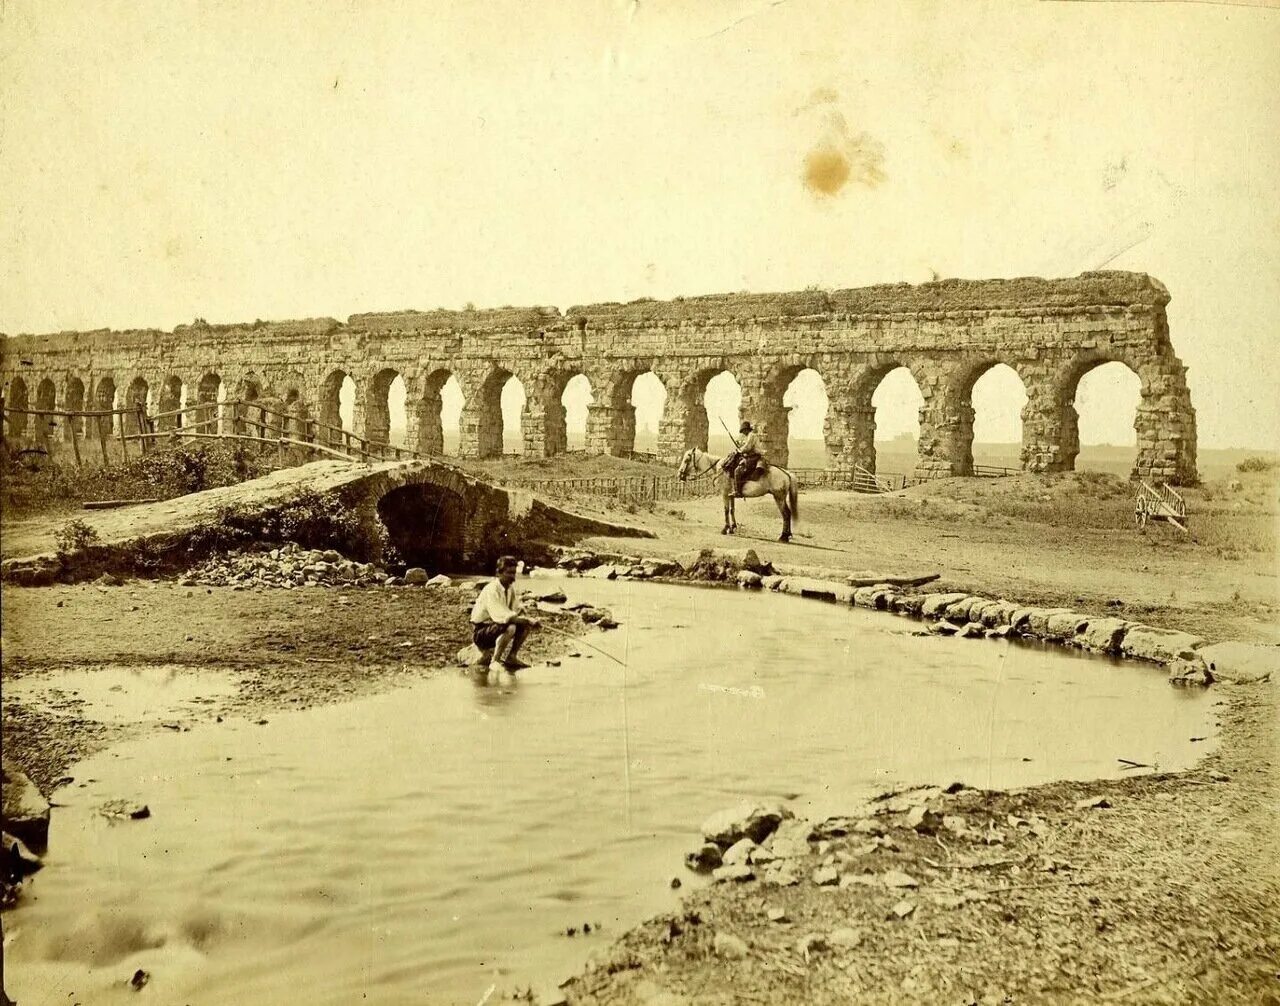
(1256, 464)
(74, 536)
(311, 519)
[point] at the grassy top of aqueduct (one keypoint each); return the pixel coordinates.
(1030, 295)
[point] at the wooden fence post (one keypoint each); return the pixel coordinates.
(144, 427)
(75, 443)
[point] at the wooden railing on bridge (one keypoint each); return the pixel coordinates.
(239, 420)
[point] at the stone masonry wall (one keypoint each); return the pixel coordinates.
(1051, 332)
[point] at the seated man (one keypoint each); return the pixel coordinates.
(496, 622)
(746, 458)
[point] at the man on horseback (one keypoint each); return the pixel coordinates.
(742, 462)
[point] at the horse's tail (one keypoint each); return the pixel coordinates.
(793, 497)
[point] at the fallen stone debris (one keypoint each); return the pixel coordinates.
(292, 566)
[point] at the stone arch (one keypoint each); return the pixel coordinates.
(17, 398)
(690, 424)
(73, 401)
(612, 426)
(171, 394)
(850, 428)
(209, 395)
(440, 390)
(565, 389)
(248, 415)
(491, 434)
(104, 400)
(963, 414)
(135, 395)
(426, 523)
(781, 394)
(294, 408)
(1165, 422)
(46, 399)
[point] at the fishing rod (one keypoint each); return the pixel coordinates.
(579, 639)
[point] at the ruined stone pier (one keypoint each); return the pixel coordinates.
(947, 334)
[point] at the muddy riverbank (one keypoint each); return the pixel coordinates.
(286, 649)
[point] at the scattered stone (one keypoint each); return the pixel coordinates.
(845, 938)
(1159, 645)
(825, 876)
(675, 884)
(747, 820)
(902, 909)
(18, 860)
(440, 580)
(1092, 802)
(551, 596)
(1190, 673)
(749, 579)
(24, 812)
(971, 630)
(778, 915)
(1103, 635)
(781, 874)
(729, 946)
(415, 576)
(868, 826)
(896, 878)
(1241, 663)
(705, 859)
(811, 944)
(944, 628)
(140, 978)
(924, 820)
(741, 872)
(125, 810)
(771, 582)
(739, 853)
(935, 604)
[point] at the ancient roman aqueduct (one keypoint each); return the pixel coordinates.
(1051, 332)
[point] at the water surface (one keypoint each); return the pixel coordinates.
(429, 843)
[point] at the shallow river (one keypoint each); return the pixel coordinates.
(429, 843)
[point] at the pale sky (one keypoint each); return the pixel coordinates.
(280, 159)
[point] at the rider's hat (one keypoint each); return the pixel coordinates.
(745, 428)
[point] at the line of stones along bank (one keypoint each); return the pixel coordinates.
(1189, 658)
(947, 334)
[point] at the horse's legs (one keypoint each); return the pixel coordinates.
(781, 500)
(728, 502)
(733, 516)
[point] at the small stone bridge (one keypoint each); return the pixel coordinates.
(436, 515)
(947, 334)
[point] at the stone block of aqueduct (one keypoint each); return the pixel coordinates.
(947, 334)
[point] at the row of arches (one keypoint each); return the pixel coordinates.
(635, 414)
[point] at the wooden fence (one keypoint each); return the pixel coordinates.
(243, 421)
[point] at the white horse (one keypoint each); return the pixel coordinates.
(776, 482)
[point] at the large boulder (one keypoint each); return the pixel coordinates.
(1066, 625)
(749, 579)
(1242, 663)
(415, 576)
(1162, 646)
(935, 605)
(1103, 635)
(747, 820)
(24, 813)
(958, 611)
(808, 586)
(1038, 622)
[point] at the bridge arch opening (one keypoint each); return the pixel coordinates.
(575, 401)
(1100, 414)
(895, 405)
(384, 416)
(997, 397)
(136, 396)
(172, 392)
(794, 417)
(426, 524)
(17, 399)
(648, 396)
(337, 406)
(209, 396)
(720, 400)
(46, 398)
(73, 401)
(499, 427)
(104, 400)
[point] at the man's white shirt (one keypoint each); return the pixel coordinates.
(495, 603)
